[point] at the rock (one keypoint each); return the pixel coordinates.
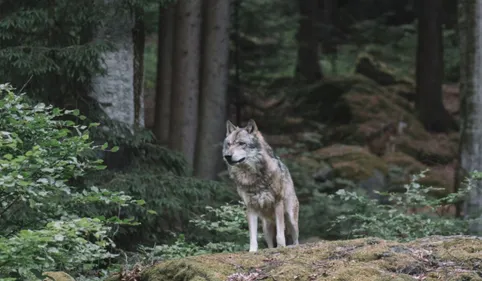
(368, 66)
(378, 181)
(405, 90)
(431, 258)
(324, 172)
(438, 149)
(352, 162)
(57, 276)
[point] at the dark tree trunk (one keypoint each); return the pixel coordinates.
(214, 84)
(139, 36)
(164, 73)
(430, 68)
(185, 78)
(308, 68)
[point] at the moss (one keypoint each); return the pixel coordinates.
(57, 276)
(351, 162)
(436, 258)
(370, 67)
(406, 161)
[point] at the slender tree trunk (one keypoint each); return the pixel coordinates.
(308, 68)
(139, 38)
(115, 91)
(470, 26)
(164, 73)
(214, 82)
(430, 68)
(185, 78)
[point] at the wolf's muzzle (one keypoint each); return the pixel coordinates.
(230, 161)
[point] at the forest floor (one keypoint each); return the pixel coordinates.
(431, 258)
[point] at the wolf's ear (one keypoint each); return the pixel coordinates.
(251, 126)
(229, 127)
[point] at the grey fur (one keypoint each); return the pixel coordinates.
(263, 182)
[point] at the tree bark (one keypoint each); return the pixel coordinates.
(308, 68)
(164, 73)
(430, 68)
(185, 78)
(470, 27)
(139, 38)
(115, 91)
(214, 82)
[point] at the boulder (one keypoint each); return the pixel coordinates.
(352, 162)
(374, 69)
(431, 258)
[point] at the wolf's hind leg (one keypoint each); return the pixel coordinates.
(292, 225)
(269, 230)
(280, 225)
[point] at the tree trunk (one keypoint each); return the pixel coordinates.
(214, 82)
(164, 73)
(115, 91)
(430, 68)
(139, 38)
(185, 78)
(470, 27)
(308, 68)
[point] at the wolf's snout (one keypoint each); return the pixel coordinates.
(231, 161)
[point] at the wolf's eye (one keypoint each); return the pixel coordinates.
(241, 143)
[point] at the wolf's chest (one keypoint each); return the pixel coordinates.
(262, 200)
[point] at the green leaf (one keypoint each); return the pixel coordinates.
(115, 149)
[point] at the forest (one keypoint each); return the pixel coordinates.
(113, 116)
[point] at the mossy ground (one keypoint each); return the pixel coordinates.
(432, 258)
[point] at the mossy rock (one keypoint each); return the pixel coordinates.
(57, 276)
(351, 162)
(436, 150)
(437, 176)
(380, 72)
(435, 258)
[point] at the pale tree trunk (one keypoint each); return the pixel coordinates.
(214, 81)
(185, 78)
(470, 13)
(118, 92)
(164, 73)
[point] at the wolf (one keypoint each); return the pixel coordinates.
(263, 182)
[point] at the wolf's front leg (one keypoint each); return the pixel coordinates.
(280, 225)
(253, 230)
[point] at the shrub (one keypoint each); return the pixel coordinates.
(222, 229)
(43, 152)
(409, 215)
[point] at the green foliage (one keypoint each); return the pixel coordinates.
(171, 198)
(222, 229)
(48, 47)
(42, 153)
(396, 220)
(266, 41)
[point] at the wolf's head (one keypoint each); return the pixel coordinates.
(241, 145)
